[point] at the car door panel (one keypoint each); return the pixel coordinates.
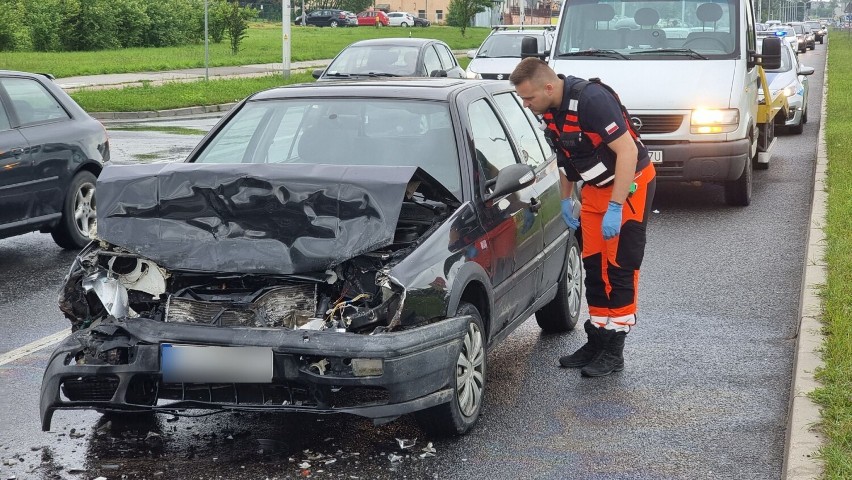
(513, 232)
(16, 178)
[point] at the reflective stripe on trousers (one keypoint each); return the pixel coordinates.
(612, 266)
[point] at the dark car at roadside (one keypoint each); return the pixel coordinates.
(421, 22)
(51, 152)
(336, 247)
(392, 57)
(818, 29)
(331, 17)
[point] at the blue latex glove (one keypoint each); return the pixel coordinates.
(612, 221)
(568, 214)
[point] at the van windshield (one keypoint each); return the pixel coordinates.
(676, 29)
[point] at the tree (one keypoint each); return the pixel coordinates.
(237, 24)
(462, 12)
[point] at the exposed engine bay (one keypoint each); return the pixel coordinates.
(358, 295)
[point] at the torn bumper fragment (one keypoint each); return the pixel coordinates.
(146, 365)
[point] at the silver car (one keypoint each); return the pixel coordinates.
(500, 53)
(791, 80)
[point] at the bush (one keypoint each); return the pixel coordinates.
(132, 22)
(88, 25)
(44, 25)
(236, 24)
(11, 16)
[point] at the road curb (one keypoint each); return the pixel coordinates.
(804, 438)
(175, 112)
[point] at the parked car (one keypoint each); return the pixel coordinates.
(392, 57)
(51, 153)
(500, 52)
(355, 248)
(818, 30)
(401, 19)
(791, 79)
(804, 35)
(370, 18)
(331, 17)
(421, 22)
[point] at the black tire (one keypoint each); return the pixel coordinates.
(73, 233)
(805, 115)
(403, 25)
(821, 41)
(738, 192)
(563, 312)
(458, 416)
(797, 129)
(332, 24)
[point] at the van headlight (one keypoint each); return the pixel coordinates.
(713, 120)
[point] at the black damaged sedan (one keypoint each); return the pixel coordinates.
(329, 248)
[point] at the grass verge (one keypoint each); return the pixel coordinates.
(188, 94)
(835, 394)
(261, 45)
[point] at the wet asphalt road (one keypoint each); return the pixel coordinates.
(704, 395)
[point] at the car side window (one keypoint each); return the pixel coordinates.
(431, 60)
(493, 151)
(528, 145)
(32, 102)
(447, 58)
(4, 119)
(539, 133)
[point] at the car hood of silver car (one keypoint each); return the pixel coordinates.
(256, 218)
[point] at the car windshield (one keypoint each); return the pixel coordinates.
(392, 60)
(813, 25)
(506, 46)
(631, 26)
(341, 132)
(799, 28)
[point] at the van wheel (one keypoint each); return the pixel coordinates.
(738, 192)
(468, 383)
(79, 212)
(562, 313)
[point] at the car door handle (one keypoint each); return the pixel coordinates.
(535, 205)
(17, 151)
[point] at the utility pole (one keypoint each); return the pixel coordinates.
(206, 46)
(285, 36)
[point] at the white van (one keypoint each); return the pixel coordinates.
(688, 74)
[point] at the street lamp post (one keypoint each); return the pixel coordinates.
(206, 47)
(285, 37)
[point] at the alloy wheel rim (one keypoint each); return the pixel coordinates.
(470, 378)
(85, 210)
(575, 281)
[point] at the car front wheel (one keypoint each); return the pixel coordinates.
(562, 313)
(460, 414)
(333, 24)
(403, 24)
(78, 213)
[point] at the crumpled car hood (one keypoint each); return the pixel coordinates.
(254, 218)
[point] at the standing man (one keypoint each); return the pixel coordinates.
(594, 142)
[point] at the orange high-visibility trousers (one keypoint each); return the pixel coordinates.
(612, 266)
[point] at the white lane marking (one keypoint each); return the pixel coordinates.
(33, 347)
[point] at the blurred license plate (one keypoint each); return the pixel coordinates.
(656, 156)
(200, 364)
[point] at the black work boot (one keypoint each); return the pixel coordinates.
(587, 352)
(612, 358)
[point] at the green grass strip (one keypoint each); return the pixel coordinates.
(261, 45)
(835, 395)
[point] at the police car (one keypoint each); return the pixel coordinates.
(498, 55)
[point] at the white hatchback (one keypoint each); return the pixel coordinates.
(401, 19)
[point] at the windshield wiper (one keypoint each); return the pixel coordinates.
(337, 74)
(381, 74)
(677, 51)
(593, 52)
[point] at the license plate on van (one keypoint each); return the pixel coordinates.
(656, 156)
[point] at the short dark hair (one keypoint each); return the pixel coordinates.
(531, 69)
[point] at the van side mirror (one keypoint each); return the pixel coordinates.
(770, 57)
(529, 48)
(510, 180)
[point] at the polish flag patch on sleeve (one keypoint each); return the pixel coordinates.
(611, 128)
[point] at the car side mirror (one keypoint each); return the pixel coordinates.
(438, 73)
(510, 180)
(770, 58)
(471, 54)
(803, 70)
(529, 48)
(318, 72)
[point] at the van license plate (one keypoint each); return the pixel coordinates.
(656, 156)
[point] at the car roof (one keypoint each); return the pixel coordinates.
(400, 41)
(410, 88)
